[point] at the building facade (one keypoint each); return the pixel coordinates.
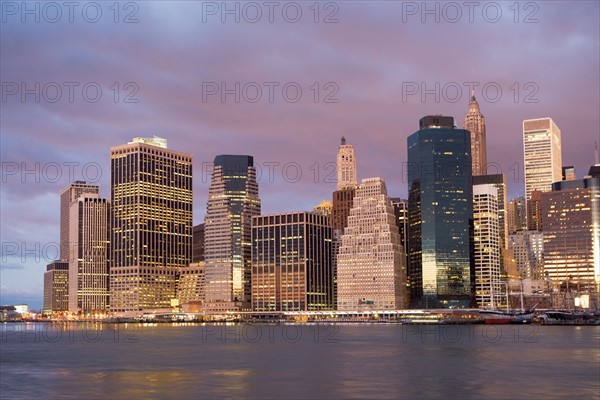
(487, 241)
(371, 273)
(475, 123)
(571, 226)
(291, 262)
(190, 287)
(517, 215)
(528, 250)
(151, 224)
(68, 195)
(56, 287)
(232, 202)
(440, 213)
(198, 243)
(346, 166)
(88, 256)
(542, 155)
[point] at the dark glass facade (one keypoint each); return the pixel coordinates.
(441, 268)
(291, 262)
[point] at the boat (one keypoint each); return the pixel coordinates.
(496, 316)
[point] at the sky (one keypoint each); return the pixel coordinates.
(280, 81)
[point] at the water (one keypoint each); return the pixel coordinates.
(104, 361)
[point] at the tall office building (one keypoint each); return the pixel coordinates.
(475, 123)
(487, 241)
(401, 212)
(232, 202)
(542, 155)
(371, 273)
(516, 215)
(499, 182)
(571, 226)
(346, 166)
(440, 214)
(151, 223)
(528, 250)
(198, 243)
(88, 257)
(68, 195)
(56, 287)
(534, 211)
(291, 262)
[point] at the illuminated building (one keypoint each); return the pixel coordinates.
(88, 257)
(475, 123)
(534, 211)
(68, 195)
(371, 273)
(486, 245)
(151, 224)
(542, 155)
(401, 212)
(232, 202)
(56, 287)
(325, 207)
(440, 214)
(571, 226)
(528, 250)
(190, 286)
(291, 262)
(346, 166)
(516, 215)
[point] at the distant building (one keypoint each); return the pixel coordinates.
(346, 166)
(528, 250)
(486, 245)
(517, 215)
(440, 211)
(401, 212)
(534, 211)
(198, 243)
(151, 224)
(291, 262)
(571, 226)
(89, 252)
(190, 287)
(475, 123)
(68, 195)
(325, 207)
(56, 287)
(371, 273)
(232, 202)
(542, 155)
(568, 173)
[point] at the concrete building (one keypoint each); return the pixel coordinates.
(69, 194)
(56, 287)
(542, 155)
(371, 273)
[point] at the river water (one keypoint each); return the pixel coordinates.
(387, 361)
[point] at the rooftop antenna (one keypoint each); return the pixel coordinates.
(344, 141)
(596, 154)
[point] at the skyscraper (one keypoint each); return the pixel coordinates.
(198, 243)
(291, 262)
(542, 155)
(346, 166)
(475, 123)
(89, 251)
(56, 287)
(528, 249)
(68, 195)
(440, 208)
(151, 223)
(571, 226)
(232, 202)
(371, 273)
(516, 215)
(534, 211)
(486, 245)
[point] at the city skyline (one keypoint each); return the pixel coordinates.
(370, 111)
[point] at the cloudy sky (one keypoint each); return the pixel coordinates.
(279, 81)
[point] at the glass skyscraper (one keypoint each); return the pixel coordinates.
(441, 268)
(232, 202)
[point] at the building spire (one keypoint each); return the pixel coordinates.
(343, 140)
(473, 95)
(597, 156)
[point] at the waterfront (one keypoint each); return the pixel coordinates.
(77, 360)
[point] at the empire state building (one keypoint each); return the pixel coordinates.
(475, 123)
